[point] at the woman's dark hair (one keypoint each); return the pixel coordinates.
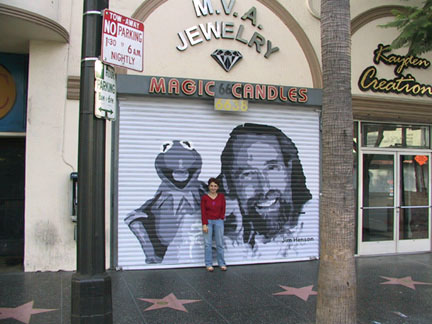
(213, 180)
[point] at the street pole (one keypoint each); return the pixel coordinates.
(91, 285)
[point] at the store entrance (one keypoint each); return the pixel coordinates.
(395, 206)
(12, 174)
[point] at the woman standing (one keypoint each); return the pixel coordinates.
(213, 207)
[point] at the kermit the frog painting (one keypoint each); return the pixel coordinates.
(168, 225)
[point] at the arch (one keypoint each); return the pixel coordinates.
(371, 15)
(148, 7)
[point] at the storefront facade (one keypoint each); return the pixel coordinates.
(229, 89)
(269, 150)
(391, 94)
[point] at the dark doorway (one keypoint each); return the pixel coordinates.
(12, 175)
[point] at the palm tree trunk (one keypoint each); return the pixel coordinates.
(337, 276)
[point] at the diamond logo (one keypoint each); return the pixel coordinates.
(226, 58)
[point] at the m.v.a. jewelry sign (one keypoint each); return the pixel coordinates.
(237, 30)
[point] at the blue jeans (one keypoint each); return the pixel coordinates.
(215, 226)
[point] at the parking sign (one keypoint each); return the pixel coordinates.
(122, 41)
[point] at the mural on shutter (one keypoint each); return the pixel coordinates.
(267, 161)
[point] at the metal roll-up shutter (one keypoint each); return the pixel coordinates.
(269, 172)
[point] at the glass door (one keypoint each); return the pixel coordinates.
(394, 213)
(377, 204)
(414, 202)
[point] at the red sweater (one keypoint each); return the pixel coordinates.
(212, 208)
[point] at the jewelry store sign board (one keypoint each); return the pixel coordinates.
(241, 27)
(122, 41)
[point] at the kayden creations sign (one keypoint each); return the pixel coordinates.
(245, 30)
(404, 84)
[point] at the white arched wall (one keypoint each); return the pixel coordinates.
(295, 63)
(366, 35)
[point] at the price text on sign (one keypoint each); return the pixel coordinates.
(230, 104)
(122, 41)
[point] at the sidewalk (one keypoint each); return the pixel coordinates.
(391, 289)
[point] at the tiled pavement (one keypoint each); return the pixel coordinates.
(391, 289)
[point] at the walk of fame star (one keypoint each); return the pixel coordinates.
(22, 313)
(405, 281)
(169, 301)
(302, 293)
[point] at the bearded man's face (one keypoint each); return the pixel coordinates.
(262, 182)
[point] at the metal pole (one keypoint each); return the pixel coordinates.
(91, 285)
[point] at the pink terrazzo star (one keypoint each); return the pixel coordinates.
(169, 301)
(22, 313)
(302, 293)
(405, 281)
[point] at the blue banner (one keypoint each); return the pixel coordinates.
(13, 92)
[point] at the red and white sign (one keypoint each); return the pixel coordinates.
(122, 41)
